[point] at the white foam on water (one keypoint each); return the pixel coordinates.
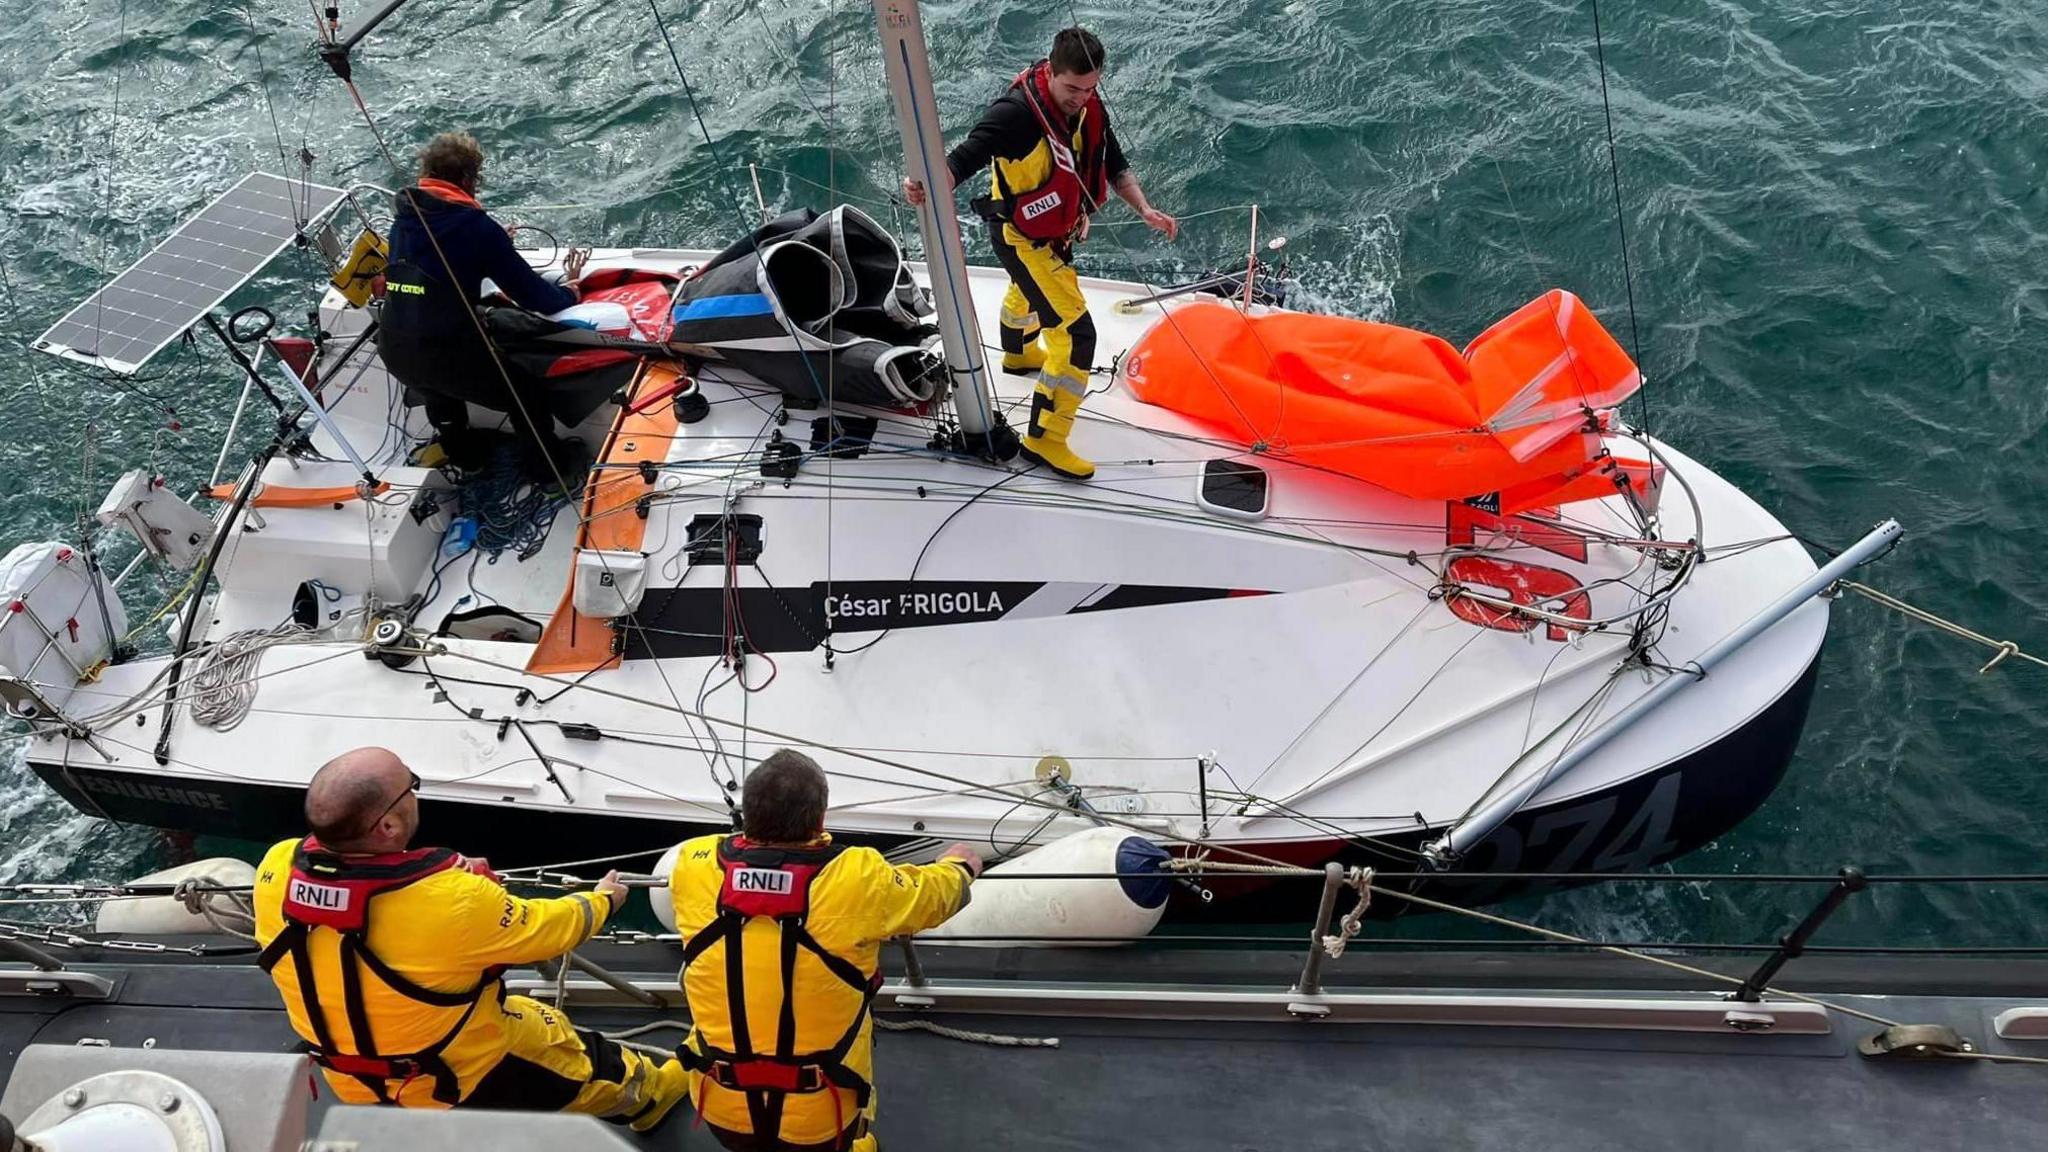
(43, 839)
(1359, 280)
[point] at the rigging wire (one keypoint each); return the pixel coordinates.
(35, 370)
(263, 84)
(107, 199)
(1620, 220)
(919, 561)
(689, 93)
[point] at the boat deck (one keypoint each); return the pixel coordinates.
(1186, 1075)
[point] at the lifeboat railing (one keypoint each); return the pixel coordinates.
(1708, 1001)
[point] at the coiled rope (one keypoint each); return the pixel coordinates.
(224, 687)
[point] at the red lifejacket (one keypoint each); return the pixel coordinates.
(1078, 185)
(774, 884)
(328, 891)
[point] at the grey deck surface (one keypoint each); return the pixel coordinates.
(1270, 1086)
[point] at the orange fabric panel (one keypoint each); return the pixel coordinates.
(573, 643)
(1538, 370)
(278, 496)
(1597, 481)
(1390, 405)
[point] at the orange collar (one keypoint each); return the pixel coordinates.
(446, 191)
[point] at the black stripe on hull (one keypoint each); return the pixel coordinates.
(679, 623)
(1644, 821)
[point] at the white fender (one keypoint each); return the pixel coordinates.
(657, 894)
(163, 915)
(1053, 912)
(1009, 901)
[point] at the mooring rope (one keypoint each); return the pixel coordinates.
(2004, 648)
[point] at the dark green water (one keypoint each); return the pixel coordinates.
(1836, 214)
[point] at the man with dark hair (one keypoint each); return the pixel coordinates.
(808, 917)
(1054, 160)
(443, 247)
(784, 799)
(408, 1006)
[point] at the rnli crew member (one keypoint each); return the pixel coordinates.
(783, 1041)
(443, 246)
(390, 961)
(1054, 160)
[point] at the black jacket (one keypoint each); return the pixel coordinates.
(427, 334)
(1009, 131)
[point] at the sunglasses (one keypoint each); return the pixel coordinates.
(410, 788)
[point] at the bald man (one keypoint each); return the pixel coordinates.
(408, 1006)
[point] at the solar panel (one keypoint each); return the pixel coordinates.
(210, 255)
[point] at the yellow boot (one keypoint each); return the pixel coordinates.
(668, 1085)
(1026, 362)
(1052, 419)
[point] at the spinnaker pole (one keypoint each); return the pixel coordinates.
(924, 153)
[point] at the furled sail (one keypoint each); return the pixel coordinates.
(822, 307)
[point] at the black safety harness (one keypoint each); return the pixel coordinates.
(775, 883)
(334, 892)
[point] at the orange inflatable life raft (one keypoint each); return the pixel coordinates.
(1517, 414)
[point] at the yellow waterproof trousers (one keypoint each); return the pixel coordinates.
(1044, 303)
(858, 1136)
(550, 1066)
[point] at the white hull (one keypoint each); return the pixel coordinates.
(1348, 693)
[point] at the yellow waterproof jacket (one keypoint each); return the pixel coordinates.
(857, 901)
(446, 933)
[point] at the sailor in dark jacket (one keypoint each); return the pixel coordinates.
(443, 246)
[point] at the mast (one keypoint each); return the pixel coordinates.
(924, 154)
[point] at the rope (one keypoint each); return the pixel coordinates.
(164, 609)
(238, 919)
(510, 514)
(223, 688)
(1183, 864)
(561, 981)
(998, 1039)
(1360, 881)
(2004, 648)
(965, 1035)
(644, 1029)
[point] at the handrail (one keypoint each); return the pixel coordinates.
(86, 892)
